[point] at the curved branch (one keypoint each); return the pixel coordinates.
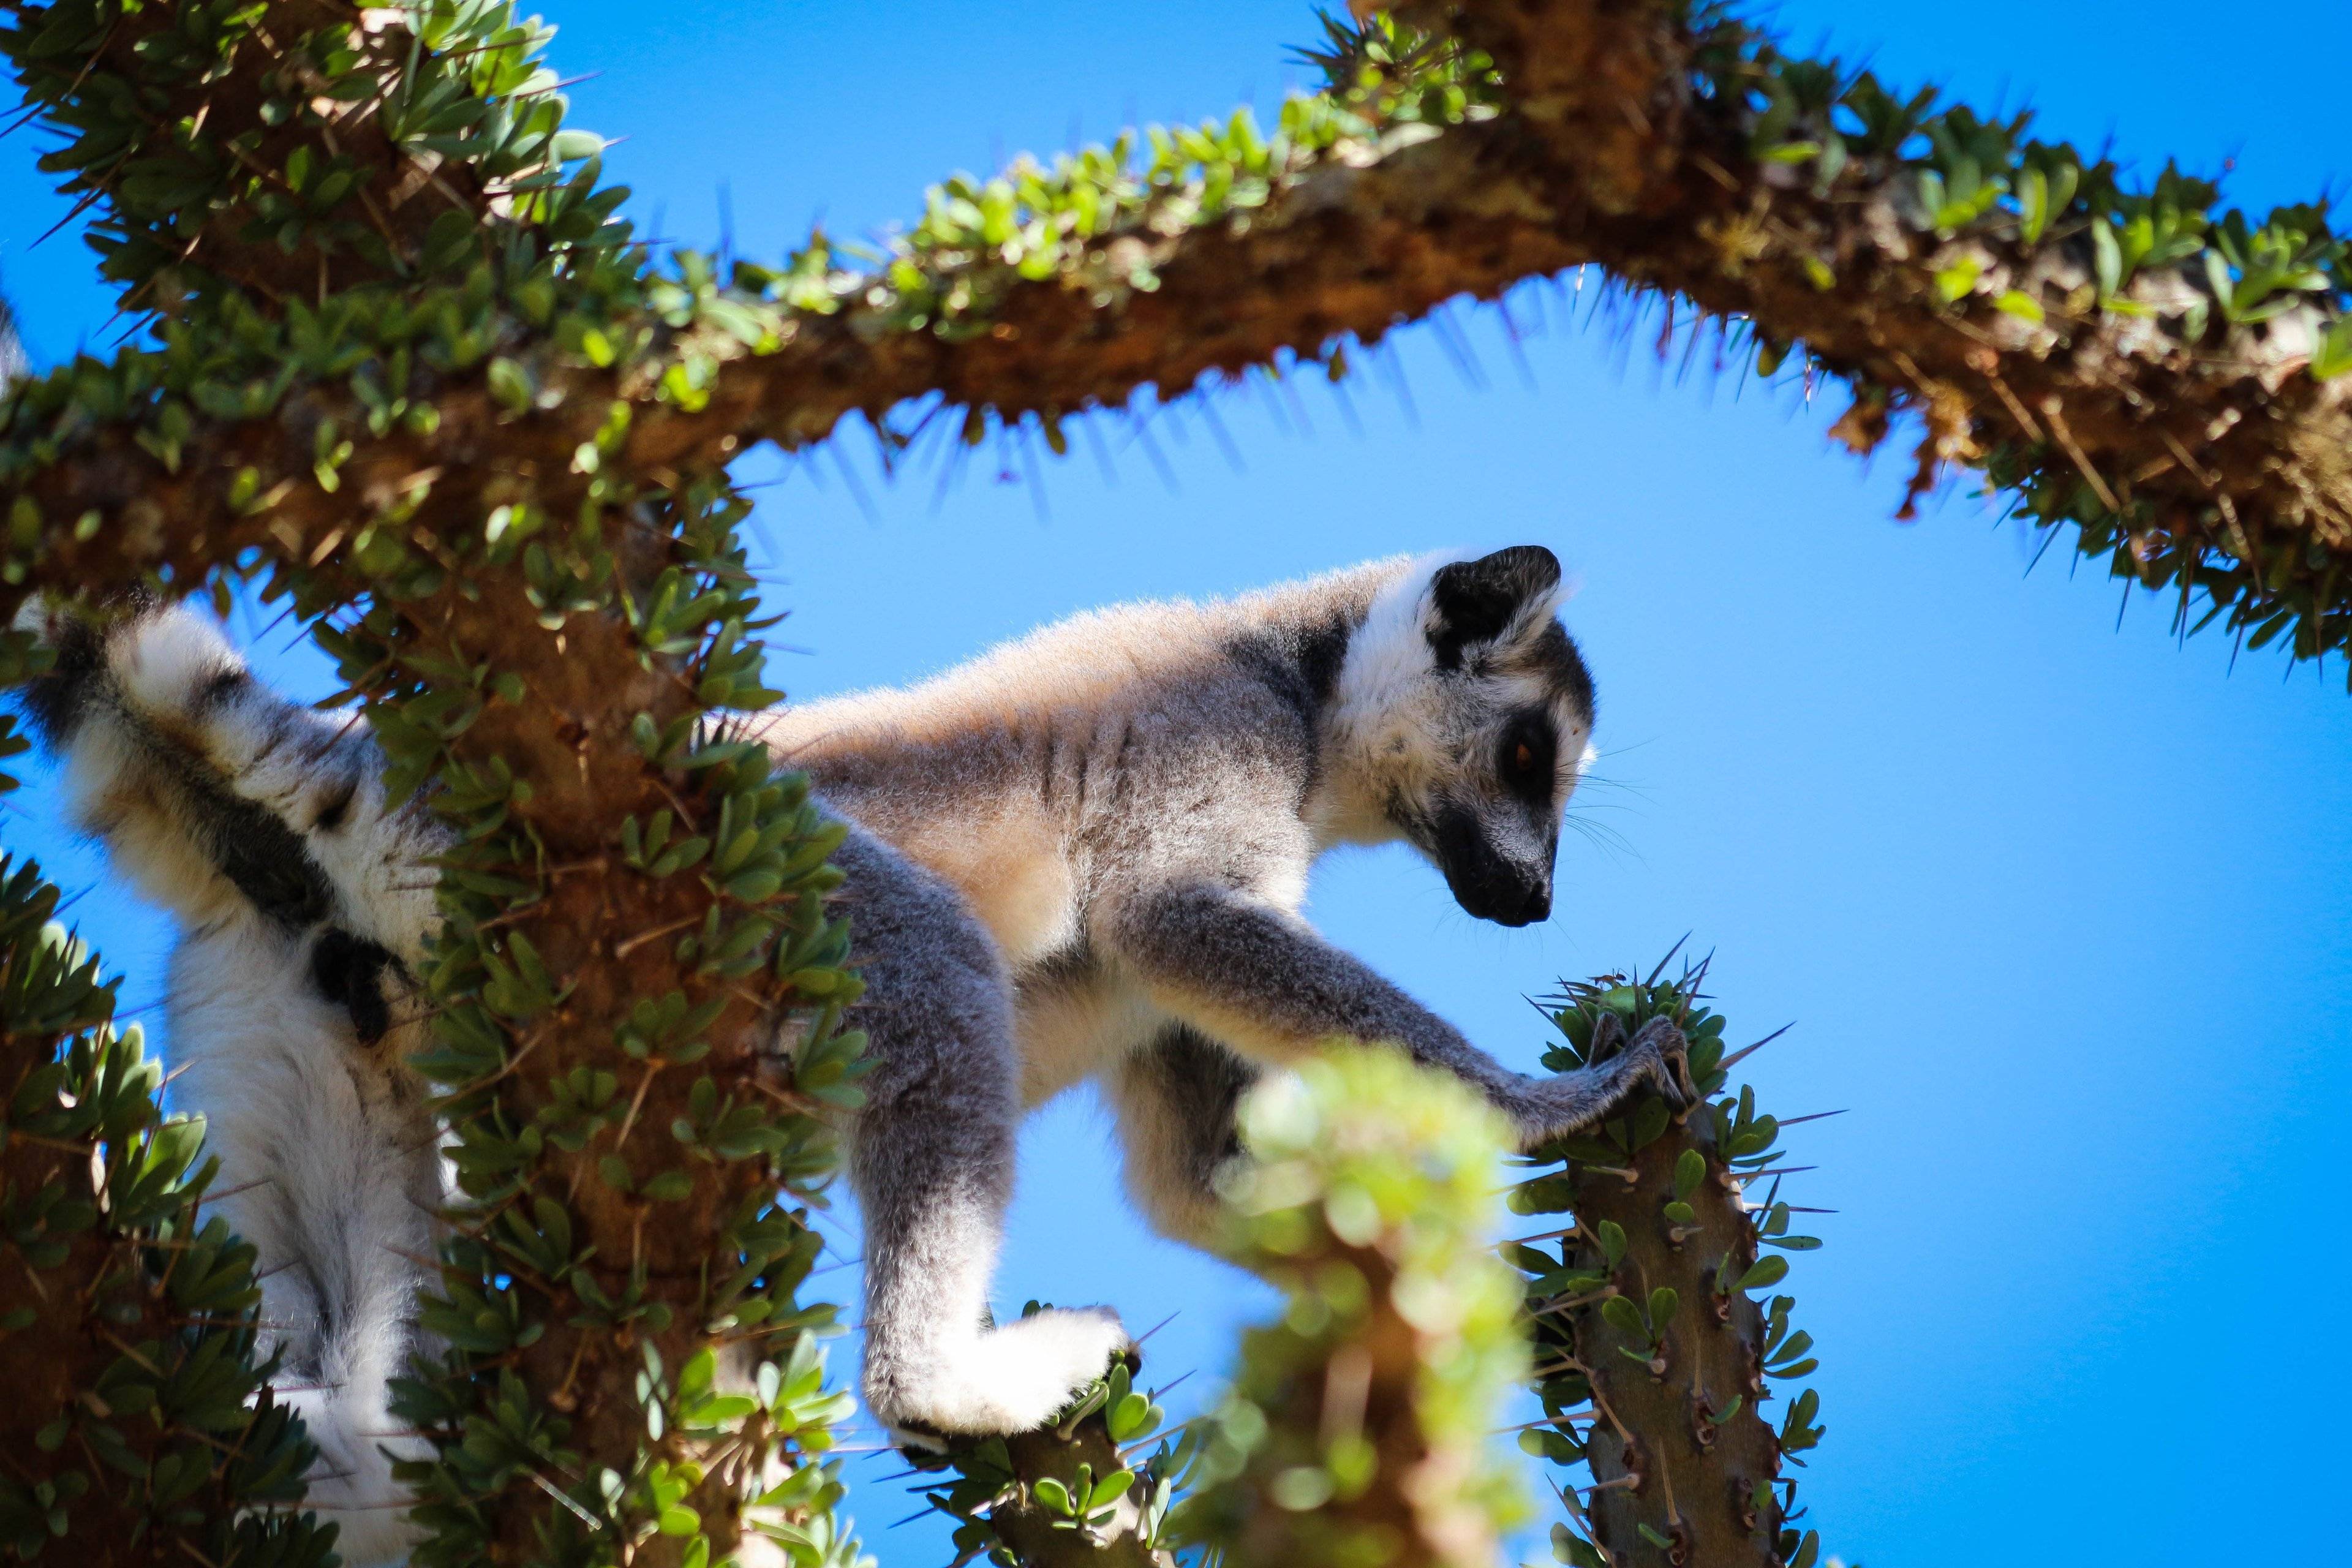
(2167, 376)
(1370, 231)
(2130, 363)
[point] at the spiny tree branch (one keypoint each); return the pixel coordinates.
(1052, 291)
(2162, 376)
(2167, 376)
(286, 152)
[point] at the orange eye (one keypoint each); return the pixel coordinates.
(1524, 759)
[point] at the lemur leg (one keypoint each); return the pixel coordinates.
(1176, 1099)
(932, 1158)
(1264, 981)
(302, 901)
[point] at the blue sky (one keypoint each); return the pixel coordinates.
(2059, 907)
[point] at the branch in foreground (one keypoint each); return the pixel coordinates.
(1357, 1429)
(1227, 249)
(1072, 1495)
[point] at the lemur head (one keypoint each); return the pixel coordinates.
(1460, 724)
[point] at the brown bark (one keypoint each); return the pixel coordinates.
(1346, 250)
(1678, 1443)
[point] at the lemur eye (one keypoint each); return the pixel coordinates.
(1524, 760)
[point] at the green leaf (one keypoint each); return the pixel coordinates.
(1690, 1170)
(1620, 1313)
(2333, 355)
(511, 384)
(2023, 306)
(669, 1186)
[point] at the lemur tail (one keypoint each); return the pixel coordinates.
(304, 901)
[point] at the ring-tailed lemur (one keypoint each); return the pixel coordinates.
(1083, 855)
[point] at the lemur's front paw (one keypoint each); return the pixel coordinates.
(1005, 1380)
(1657, 1056)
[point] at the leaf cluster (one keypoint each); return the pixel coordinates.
(138, 1420)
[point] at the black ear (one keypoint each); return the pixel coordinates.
(1477, 599)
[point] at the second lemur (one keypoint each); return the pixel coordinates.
(1081, 856)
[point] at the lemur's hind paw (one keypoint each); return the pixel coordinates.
(1005, 1380)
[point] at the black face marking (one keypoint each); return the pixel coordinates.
(1482, 882)
(1553, 654)
(1475, 600)
(348, 972)
(1526, 758)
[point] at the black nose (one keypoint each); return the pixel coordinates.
(1508, 892)
(1507, 904)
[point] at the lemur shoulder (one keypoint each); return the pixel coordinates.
(1080, 855)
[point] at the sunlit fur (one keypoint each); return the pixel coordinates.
(1080, 855)
(1128, 803)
